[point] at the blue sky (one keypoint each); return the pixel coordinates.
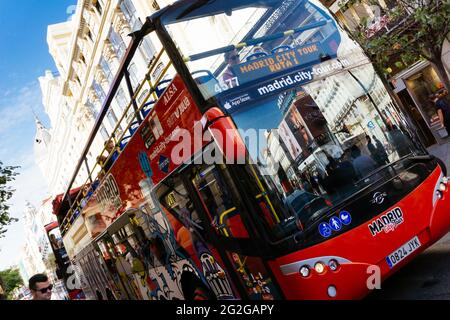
(23, 58)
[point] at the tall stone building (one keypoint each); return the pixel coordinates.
(87, 50)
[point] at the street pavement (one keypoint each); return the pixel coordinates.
(428, 276)
(442, 152)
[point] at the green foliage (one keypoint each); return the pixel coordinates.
(417, 30)
(7, 175)
(11, 280)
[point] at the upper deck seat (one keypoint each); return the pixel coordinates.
(147, 108)
(134, 127)
(162, 86)
(281, 48)
(256, 55)
(124, 142)
(206, 81)
(159, 90)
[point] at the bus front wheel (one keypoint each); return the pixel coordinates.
(194, 289)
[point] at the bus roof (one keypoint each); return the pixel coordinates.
(187, 9)
(61, 204)
(51, 226)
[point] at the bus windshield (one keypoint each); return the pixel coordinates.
(326, 125)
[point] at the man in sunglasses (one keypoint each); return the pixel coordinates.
(231, 58)
(40, 287)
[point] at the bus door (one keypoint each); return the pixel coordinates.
(133, 246)
(192, 236)
(118, 267)
(228, 215)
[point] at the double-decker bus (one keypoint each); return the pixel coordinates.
(267, 162)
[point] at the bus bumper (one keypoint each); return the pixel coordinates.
(355, 277)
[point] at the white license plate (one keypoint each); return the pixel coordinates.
(402, 252)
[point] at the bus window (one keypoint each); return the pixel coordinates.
(61, 257)
(117, 266)
(179, 209)
(215, 194)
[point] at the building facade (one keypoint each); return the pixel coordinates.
(35, 252)
(87, 52)
(412, 84)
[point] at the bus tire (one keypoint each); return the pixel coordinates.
(194, 289)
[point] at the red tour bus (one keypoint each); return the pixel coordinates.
(268, 163)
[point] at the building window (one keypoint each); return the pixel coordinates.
(112, 118)
(147, 48)
(99, 91)
(142, 96)
(117, 43)
(106, 69)
(121, 99)
(354, 13)
(129, 10)
(132, 69)
(92, 108)
(98, 6)
(104, 133)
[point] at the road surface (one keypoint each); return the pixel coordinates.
(427, 277)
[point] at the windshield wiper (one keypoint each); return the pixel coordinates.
(308, 204)
(420, 158)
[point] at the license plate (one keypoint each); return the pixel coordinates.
(402, 252)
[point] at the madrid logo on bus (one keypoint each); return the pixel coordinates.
(387, 222)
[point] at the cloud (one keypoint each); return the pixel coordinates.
(16, 106)
(16, 148)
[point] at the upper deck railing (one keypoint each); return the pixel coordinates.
(148, 91)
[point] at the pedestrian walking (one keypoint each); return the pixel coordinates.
(443, 111)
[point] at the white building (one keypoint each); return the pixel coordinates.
(36, 249)
(87, 51)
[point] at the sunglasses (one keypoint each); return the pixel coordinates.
(44, 290)
(234, 57)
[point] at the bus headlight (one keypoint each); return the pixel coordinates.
(445, 180)
(319, 267)
(439, 194)
(333, 264)
(442, 187)
(304, 271)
